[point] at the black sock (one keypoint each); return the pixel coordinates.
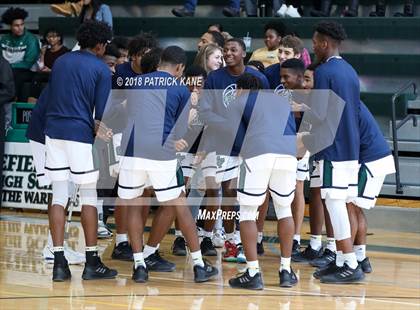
(92, 258)
(59, 258)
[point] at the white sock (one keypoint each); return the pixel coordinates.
(339, 260)
(178, 233)
(139, 260)
(57, 249)
(230, 237)
(360, 251)
(253, 268)
(297, 238)
(99, 208)
(350, 259)
(197, 258)
(149, 250)
(331, 245)
(285, 263)
(316, 242)
(121, 238)
(208, 234)
(238, 237)
(260, 236)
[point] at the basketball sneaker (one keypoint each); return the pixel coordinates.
(231, 252)
(122, 251)
(244, 280)
(207, 247)
(178, 247)
(218, 239)
(327, 257)
(73, 257)
(61, 272)
(307, 255)
(344, 274)
(140, 274)
(103, 231)
(240, 258)
(98, 272)
(203, 274)
(155, 262)
(295, 249)
(287, 279)
(330, 268)
(365, 264)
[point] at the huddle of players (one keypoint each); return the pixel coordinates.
(273, 168)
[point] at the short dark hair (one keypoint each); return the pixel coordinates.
(112, 50)
(294, 64)
(12, 14)
(217, 25)
(217, 38)
(333, 30)
(257, 64)
(239, 41)
(174, 55)
(142, 41)
(150, 60)
(121, 42)
(248, 81)
(312, 66)
(195, 70)
(53, 30)
(93, 32)
(278, 27)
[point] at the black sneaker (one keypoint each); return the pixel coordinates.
(244, 280)
(123, 251)
(260, 248)
(287, 279)
(307, 255)
(203, 274)
(295, 249)
(207, 247)
(140, 274)
(98, 272)
(327, 257)
(230, 12)
(178, 248)
(330, 268)
(61, 272)
(365, 264)
(182, 12)
(156, 263)
(343, 275)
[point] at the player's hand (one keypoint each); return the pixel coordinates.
(299, 107)
(102, 131)
(180, 145)
(300, 147)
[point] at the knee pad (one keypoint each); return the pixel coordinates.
(60, 191)
(248, 213)
(339, 218)
(282, 211)
(88, 195)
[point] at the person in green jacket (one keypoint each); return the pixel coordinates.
(19, 47)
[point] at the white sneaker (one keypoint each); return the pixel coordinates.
(103, 231)
(282, 11)
(73, 257)
(218, 239)
(292, 12)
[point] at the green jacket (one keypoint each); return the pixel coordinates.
(21, 52)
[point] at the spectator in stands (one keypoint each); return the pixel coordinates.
(122, 44)
(305, 57)
(219, 28)
(408, 10)
(256, 65)
(211, 37)
(19, 47)
(252, 9)
(209, 57)
(268, 55)
(52, 49)
(7, 93)
(95, 9)
(111, 56)
(325, 9)
(291, 8)
(232, 10)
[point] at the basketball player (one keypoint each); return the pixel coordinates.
(80, 84)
